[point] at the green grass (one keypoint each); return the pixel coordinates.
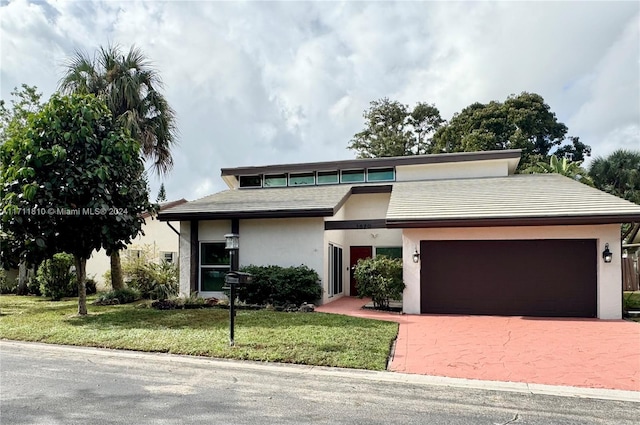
(631, 300)
(304, 338)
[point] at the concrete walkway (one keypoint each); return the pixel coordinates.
(587, 353)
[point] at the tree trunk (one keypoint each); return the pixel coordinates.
(117, 282)
(81, 273)
(23, 275)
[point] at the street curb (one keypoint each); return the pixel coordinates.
(368, 375)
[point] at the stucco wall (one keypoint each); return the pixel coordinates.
(185, 258)
(283, 242)
(609, 277)
(452, 170)
(158, 238)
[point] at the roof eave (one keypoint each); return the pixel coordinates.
(512, 221)
(227, 215)
(513, 154)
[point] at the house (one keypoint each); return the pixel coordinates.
(474, 237)
(159, 241)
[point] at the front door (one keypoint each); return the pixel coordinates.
(356, 253)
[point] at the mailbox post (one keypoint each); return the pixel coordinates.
(231, 280)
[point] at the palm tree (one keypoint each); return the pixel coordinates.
(618, 174)
(129, 86)
(564, 167)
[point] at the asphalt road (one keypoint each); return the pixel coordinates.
(42, 384)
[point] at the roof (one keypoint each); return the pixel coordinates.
(166, 205)
(311, 201)
(521, 199)
(376, 162)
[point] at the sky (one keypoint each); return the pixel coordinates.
(259, 83)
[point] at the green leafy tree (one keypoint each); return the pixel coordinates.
(619, 175)
(130, 87)
(26, 101)
(72, 181)
(522, 122)
(13, 117)
(379, 278)
(563, 167)
(391, 129)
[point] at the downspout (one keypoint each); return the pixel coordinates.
(173, 228)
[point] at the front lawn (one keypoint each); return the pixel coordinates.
(305, 338)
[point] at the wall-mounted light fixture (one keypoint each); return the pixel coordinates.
(232, 241)
(416, 256)
(606, 254)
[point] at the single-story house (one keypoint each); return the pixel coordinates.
(474, 237)
(159, 243)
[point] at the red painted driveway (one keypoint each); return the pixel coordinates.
(575, 352)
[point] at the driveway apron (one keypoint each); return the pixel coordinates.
(588, 353)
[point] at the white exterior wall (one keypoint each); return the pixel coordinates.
(286, 242)
(366, 206)
(158, 237)
(453, 170)
(609, 276)
(184, 254)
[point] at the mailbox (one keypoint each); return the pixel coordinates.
(237, 278)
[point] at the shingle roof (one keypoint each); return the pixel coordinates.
(547, 197)
(527, 199)
(311, 201)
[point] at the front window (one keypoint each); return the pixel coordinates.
(214, 265)
(335, 270)
(168, 257)
(391, 251)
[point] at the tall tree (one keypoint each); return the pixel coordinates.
(391, 129)
(72, 181)
(522, 122)
(25, 102)
(618, 174)
(162, 194)
(130, 87)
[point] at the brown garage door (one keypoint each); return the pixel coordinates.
(552, 278)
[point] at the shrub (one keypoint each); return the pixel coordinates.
(33, 285)
(154, 281)
(280, 285)
(91, 285)
(121, 296)
(379, 278)
(56, 279)
(7, 286)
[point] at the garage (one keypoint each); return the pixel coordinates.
(542, 277)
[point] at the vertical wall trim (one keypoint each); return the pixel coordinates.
(195, 255)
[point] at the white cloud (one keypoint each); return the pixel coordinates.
(273, 82)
